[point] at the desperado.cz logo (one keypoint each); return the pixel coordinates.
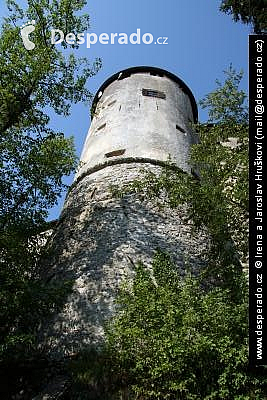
(58, 36)
(25, 31)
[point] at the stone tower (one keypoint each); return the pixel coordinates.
(141, 117)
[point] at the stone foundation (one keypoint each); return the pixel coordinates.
(97, 243)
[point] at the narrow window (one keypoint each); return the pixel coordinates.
(153, 93)
(180, 129)
(115, 153)
(101, 127)
(111, 103)
(93, 193)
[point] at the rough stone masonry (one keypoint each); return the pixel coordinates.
(142, 116)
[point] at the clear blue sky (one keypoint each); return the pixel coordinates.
(202, 42)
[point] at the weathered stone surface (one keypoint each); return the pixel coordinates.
(99, 241)
(142, 116)
(141, 126)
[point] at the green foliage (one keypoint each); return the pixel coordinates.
(25, 301)
(31, 176)
(34, 158)
(222, 160)
(173, 339)
(227, 103)
(95, 378)
(170, 187)
(248, 11)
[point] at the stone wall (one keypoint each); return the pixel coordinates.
(97, 243)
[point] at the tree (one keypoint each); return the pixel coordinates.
(173, 339)
(222, 160)
(34, 158)
(248, 11)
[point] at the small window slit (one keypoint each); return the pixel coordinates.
(179, 128)
(115, 153)
(101, 126)
(111, 103)
(153, 93)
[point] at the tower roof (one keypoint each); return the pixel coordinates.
(153, 70)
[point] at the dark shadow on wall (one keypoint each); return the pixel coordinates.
(96, 245)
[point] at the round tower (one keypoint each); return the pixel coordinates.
(141, 117)
(140, 113)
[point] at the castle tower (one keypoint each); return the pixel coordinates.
(140, 113)
(141, 117)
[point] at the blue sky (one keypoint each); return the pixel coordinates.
(202, 42)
